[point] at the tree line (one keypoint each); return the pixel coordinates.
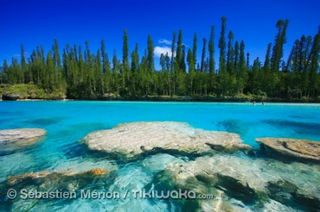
(84, 74)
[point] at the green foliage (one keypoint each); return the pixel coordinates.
(78, 73)
(31, 91)
(222, 45)
(280, 40)
(203, 56)
(211, 51)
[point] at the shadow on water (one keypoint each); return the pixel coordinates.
(122, 159)
(266, 153)
(287, 193)
(4, 121)
(9, 113)
(41, 122)
(84, 128)
(303, 128)
(304, 117)
(74, 150)
(233, 125)
(163, 184)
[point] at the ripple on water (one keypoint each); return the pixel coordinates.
(22, 162)
(252, 181)
(129, 178)
(159, 162)
(62, 150)
(63, 182)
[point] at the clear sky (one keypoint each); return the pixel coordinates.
(38, 22)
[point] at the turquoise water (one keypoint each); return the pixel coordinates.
(67, 122)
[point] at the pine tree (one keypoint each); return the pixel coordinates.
(173, 51)
(172, 78)
(190, 60)
(255, 77)
(23, 63)
(56, 54)
(280, 40)
(230, 54)
(203, 55)
(125, 62)
(125, 51)
(194, 50)
(162, 62)
(242, 74)
(222, 45)
(150, 57)
(191, 71)
(5, 72)
(314, 66)
(267, 64)
(236, 57)
(211, 51)
(83, 74)
(105, 58)
(179, 58)
(135, 59)
(182, 60)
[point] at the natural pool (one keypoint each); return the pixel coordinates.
(67, 122)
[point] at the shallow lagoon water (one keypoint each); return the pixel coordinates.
(67, 122)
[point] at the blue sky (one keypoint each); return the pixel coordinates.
(38, 22)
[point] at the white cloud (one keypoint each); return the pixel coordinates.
(158, 50)
(165, 42)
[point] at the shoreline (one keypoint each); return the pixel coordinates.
(152, 101)
(30, 92)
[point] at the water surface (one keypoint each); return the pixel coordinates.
(67, 122)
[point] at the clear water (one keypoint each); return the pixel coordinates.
(67, 122)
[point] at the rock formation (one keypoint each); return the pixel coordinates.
(298, 148)
(133, 139)
(13, 139)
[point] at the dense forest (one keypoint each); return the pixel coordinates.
(81, 74)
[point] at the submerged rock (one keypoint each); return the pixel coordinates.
(19, 162)
(225, 171)
(46, 175)
(67, 169)
(253, 182)
(272, 205)
(298, 148)
(223, 203)
(159, 162)
(18, 138)
(70, 177)
(135, 138)
(70, 180)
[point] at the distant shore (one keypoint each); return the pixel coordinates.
(178, 99)
(29, 92)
